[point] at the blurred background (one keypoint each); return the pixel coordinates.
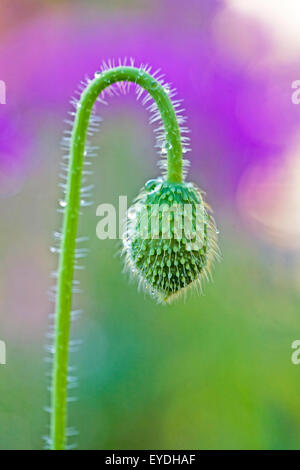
(213, 372)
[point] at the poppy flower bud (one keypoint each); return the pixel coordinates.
(170, 241)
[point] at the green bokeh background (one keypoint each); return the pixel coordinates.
(210, 372)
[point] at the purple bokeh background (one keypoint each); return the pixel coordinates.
(236, 97)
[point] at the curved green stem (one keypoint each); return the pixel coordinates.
(66, 261)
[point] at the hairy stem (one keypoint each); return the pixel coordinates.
(70, 223)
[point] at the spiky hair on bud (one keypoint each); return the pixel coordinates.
(170, 240)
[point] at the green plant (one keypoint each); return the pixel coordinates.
(165, 265)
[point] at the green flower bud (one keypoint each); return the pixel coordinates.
(171, 238)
